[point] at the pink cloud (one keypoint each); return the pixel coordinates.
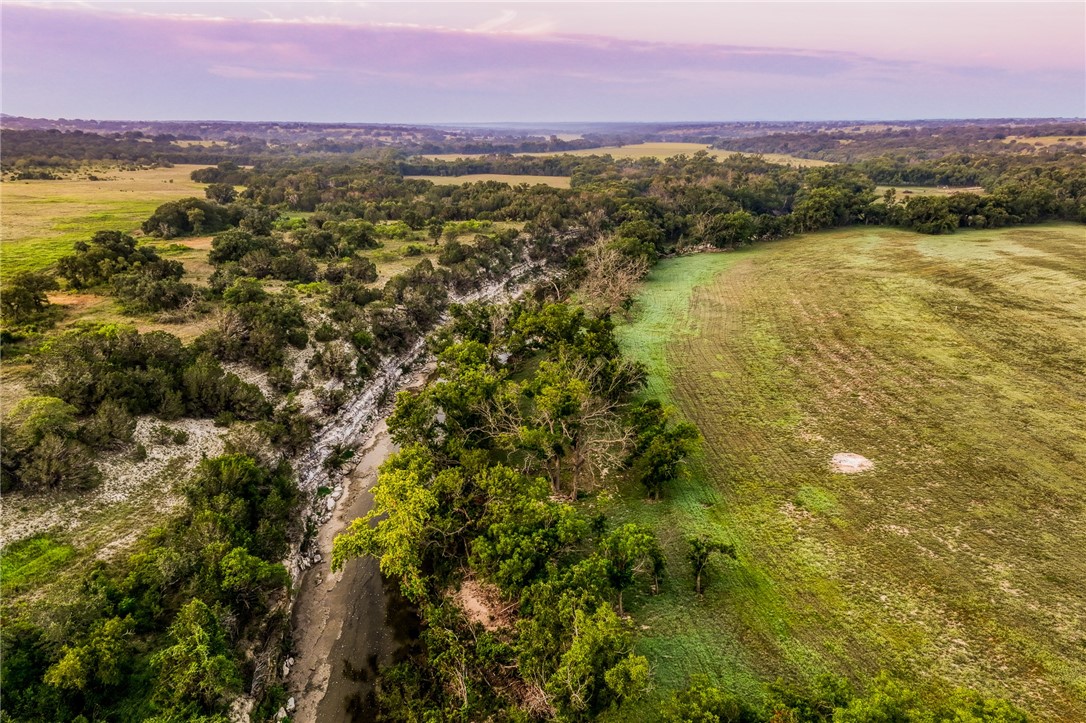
(234, 71)
(73, 62)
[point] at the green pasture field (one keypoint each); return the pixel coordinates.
(40, 220)
(659, 151)
(906, 191)
(955, 363)
(513, 180)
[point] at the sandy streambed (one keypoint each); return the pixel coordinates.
(340, 629)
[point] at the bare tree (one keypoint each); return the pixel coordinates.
(565, 428)
(612, 276)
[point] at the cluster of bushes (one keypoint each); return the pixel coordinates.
(94, 382)
(226, 173)
(453, 229)
(172, 632)
(237, 253)
(272, 254)
(1012, 202)
(256, 326)
(48, 447)
(152, 373)
(494, 456)
(329, 239)
(140, 278)
(363, 323)
(376, 192)
(394, 230)
(108, 253)
(190, 216)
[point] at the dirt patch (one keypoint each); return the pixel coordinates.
(849, 463)
(201, 243)
(482, 604)
(76, 302)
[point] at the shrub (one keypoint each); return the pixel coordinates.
(189, 216)
(112, 424)
(24, 296)
(41, 450)
(108, 253)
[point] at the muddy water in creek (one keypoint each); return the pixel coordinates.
(342, 624)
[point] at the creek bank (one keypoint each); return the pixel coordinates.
(343, 627)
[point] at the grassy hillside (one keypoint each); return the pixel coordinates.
(955, 364)
(42, 219)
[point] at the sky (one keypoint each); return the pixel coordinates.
(457, 62)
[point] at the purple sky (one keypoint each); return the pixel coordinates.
(479, 62)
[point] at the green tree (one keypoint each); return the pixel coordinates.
(702, 702)
(248, 580)
(222, 193)
(24, 296)
(398, 527)
(629, 550)
(732, 229)
(40, 449)
(701, 551)
(659, 446)
(103, 660)
(597, 668)
(196, 672)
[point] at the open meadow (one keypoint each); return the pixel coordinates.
(42, 219)
(659, 151)
(906, 191)
(954, 363)
(552, 181)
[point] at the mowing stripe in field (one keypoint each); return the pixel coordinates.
(955, 363)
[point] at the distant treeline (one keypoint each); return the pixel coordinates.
(687, 199)
(33, 148)
(41, 153)
(32, 151)
(917, 143)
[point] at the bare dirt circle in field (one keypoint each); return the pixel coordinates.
(849, 463)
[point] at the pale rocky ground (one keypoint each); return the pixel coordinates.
(849, 463)
(137, 492)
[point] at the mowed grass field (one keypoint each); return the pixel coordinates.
(659, 151)
(906, 191)
(513, 180)
(955, 363)
(40, 220)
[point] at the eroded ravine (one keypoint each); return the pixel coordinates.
(339, 622)
(341, 628)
